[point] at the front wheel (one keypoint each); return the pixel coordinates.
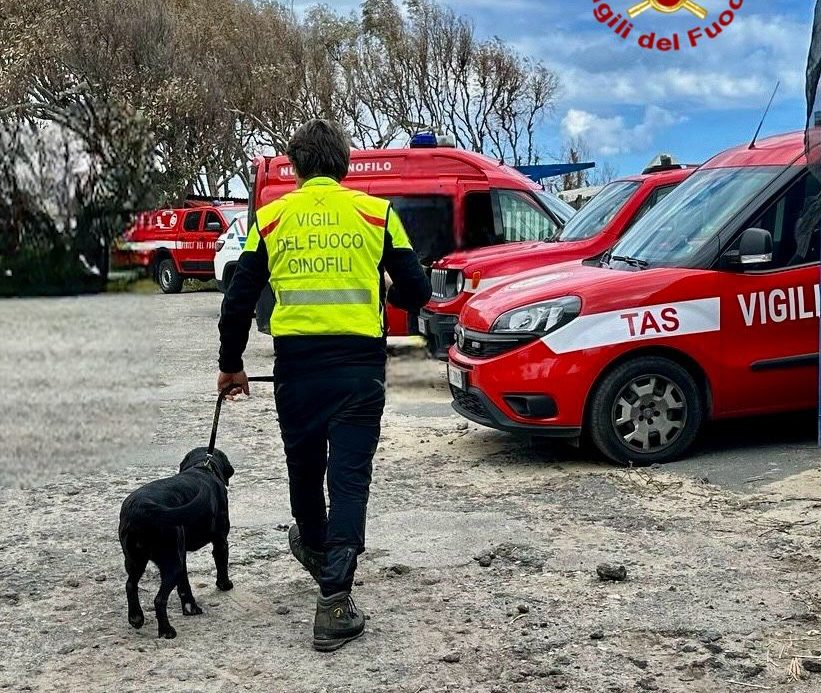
(646, 411)
(169, 279)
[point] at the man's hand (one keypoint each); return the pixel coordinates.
(239, 379)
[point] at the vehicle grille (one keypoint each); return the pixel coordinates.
(443, 283)
(481, 345)
(470, 403)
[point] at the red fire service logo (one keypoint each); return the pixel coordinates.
(667, 6)
(621, 22)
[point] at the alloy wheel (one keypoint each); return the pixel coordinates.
(649, 413)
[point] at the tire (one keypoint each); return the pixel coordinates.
(169, 279)
(413, 324)
(646, 411)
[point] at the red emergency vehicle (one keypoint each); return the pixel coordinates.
(707, 308)
(175, 244)
(588, 234)
(446, 197)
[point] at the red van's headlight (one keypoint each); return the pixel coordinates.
(539, 318)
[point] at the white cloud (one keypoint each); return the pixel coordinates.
(737, 70)
(610, 136)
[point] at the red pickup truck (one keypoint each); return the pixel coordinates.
(596, 227)
(175, 244)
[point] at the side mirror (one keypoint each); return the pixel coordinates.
(755, 247)
(213, 226)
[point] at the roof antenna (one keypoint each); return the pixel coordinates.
(764, 117)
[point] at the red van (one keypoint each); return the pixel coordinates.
(175, 244)
(447, 198)
(595, 228)
(708, 308)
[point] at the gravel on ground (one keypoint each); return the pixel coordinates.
(481, 568)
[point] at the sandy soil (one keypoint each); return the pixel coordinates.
(105, 393)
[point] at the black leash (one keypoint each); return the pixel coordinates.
(225, 392)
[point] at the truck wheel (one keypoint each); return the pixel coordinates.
(168, 277)
(646, 411)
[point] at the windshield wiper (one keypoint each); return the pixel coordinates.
(627, 260)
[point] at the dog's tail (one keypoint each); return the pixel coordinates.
(154, 515)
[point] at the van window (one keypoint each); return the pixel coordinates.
(652, 200)
(560, 209)
(192, 221)
(428, 219)
(685, 221)
(794, 224)
(600, 211)
(523, 219)
(479, 227)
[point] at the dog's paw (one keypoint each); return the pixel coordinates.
(167, 633)
(225, 585)
(191, 609)
(136, 620)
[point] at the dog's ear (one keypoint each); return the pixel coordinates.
(186, 461)
(193, 458)
(225, 465)
(227, 468)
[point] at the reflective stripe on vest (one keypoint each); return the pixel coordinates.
(325, 297)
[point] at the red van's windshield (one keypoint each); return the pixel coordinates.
(690, 216)
(596, 214)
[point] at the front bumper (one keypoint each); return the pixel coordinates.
(526, 389)
(475, 406)
(438, 332)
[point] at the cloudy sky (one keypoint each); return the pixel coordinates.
(630, 103)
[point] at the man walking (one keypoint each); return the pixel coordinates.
(324, 249)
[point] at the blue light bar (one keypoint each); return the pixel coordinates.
(424, 140)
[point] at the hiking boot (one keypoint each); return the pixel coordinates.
(310, 559)
(337, 622)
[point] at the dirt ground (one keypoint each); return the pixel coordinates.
(102, 394)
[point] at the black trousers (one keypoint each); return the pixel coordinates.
(330, 423)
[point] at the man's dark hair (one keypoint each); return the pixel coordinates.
(320, 148)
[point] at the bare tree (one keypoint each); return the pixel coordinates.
(604, 173)
(62, 111)
(426, 70)
(574, 151)
(162, 99)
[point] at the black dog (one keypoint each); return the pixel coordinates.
(163, 520)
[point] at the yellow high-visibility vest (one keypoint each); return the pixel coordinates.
(325, 243)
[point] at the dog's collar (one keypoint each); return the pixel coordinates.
(211, 467)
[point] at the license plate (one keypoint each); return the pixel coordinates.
(423, 325)
(457, 377)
